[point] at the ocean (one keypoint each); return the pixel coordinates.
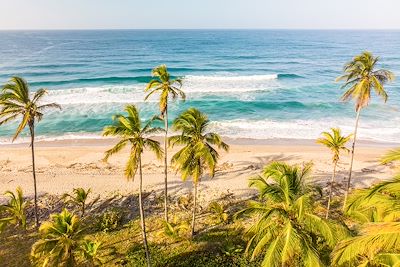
(259, 84)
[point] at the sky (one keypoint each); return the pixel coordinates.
(203, 14)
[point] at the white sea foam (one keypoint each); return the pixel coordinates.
(229, 83)
(229, 78)
(95, 95)
(303, 129)
(268, 129)
(194, 86)
(48, 138)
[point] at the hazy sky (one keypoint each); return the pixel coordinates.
(121, 14)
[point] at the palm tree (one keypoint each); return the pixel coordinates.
(15, 102)
(79, 198)
(129, 129)
(336, 143)
(361, 78)
(90, 252)
(166, 87)
(60, 240)
(198, 153)
(286, 228)
(15, 209)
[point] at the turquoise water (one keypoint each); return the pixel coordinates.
(253, 83)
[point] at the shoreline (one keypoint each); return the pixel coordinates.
(67, 164)
(99, 141)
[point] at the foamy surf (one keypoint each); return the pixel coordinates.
(261, 129)
(303, 129)
(194, 86)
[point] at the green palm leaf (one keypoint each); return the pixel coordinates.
(15, 210)
(285, 225)
(59, 241)
(374, 239)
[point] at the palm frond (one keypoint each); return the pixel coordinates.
(375, 238)
(360, 77)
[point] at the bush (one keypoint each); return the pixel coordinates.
(14, 212)
(219, 213)
(110, 220)
(181, 257)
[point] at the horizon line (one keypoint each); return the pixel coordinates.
(194, 29)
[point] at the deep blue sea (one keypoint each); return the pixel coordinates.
(251, 83)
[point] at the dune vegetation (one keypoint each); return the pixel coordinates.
(290, 221)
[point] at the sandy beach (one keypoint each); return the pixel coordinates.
(64, 165)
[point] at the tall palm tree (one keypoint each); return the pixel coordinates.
(59, 241)
(286, 228)
(198, 154)
(129, 128)
(360, 77)
(336, 143)
(15, 102)
(167, 88)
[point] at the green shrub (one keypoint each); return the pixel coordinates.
(110, 220)
(177, 229)
(14, 212)
(219, 213)
(184, 257)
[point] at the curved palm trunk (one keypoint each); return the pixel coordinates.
(194, 207)
(32, 131)
(142, 220)
(352, 158)
(330, 190)
(166, 166)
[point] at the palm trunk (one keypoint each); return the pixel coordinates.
(194, 207)
(83, 209)
(166, 166)
(352, 158)
(32, 131)
(143, 224)
(330, 190)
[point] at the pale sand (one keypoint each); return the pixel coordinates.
(64, 165)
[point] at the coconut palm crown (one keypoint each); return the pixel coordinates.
(16, 101)
(361, 77)
(285, 220)
(335, 142)
(165, 86)
(129, 128)
(60, 240)
(198, 153)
